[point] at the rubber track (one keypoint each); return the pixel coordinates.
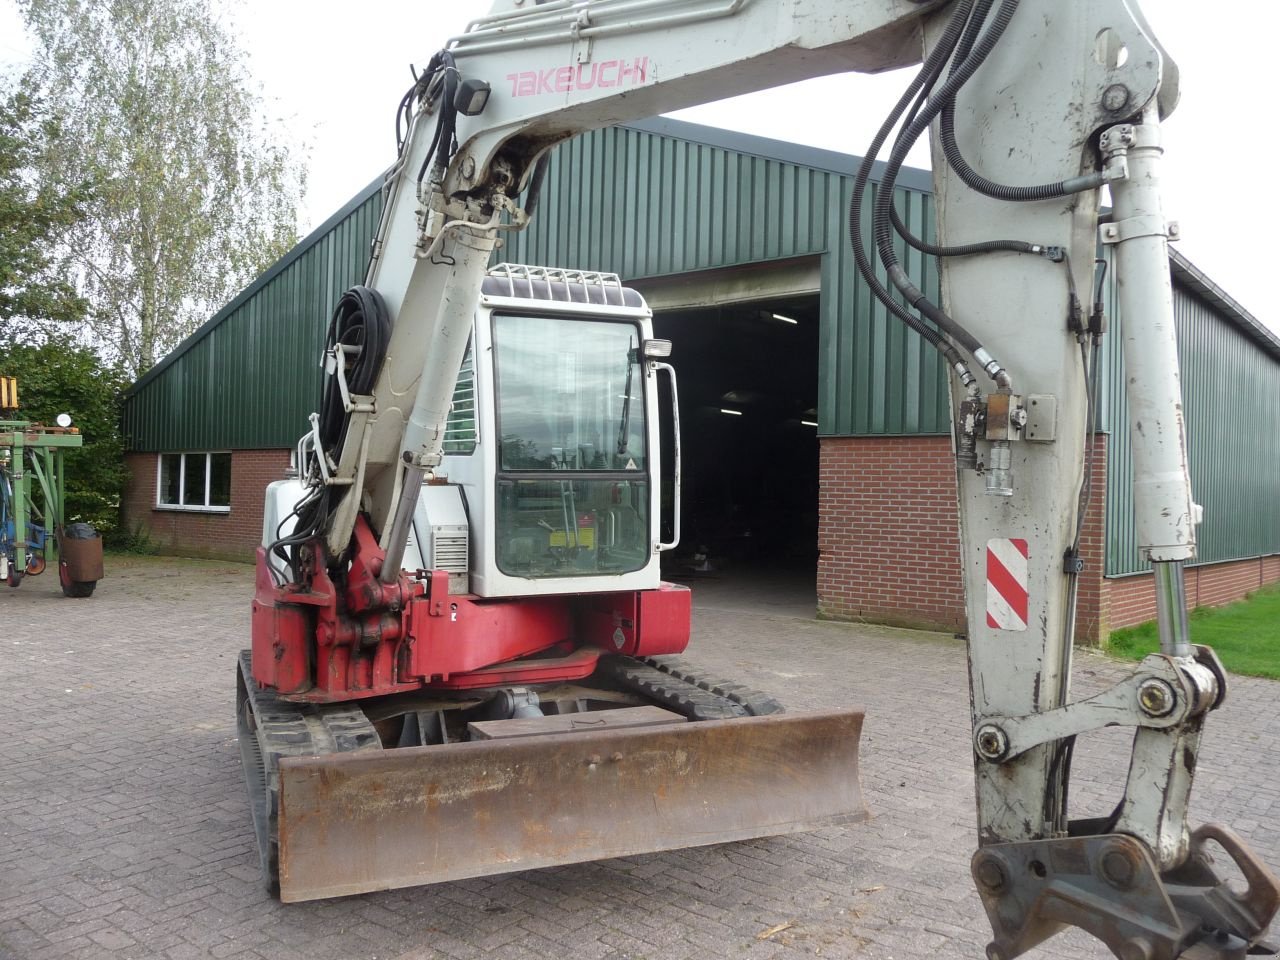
(670, 682)
(287, 729)
(755, 702)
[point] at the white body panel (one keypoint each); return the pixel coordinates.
(281, 495)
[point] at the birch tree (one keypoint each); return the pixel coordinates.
(35, 219)
(193, 194)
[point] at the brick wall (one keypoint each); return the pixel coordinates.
(888, 544)
(1092, 584)
(229, 536)
(888, 535)
(1132, 600)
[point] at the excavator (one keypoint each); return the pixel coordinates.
(464, 658)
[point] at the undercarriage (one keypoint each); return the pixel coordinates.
(644, 755)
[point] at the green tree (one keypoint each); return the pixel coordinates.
(35, 217)
(55, 378)
(193, 196)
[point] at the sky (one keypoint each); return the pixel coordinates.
(331, 78)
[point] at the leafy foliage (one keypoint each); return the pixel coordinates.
(34, 217)
(55, 378)
(193, 197)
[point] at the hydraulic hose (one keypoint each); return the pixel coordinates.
(964, 249)
(1000, 191)
(881, 220)
(959, 75)
(928, 74)
(962, 48)
(360, 320)
(446, 125)
(976, 181)
(965, 44)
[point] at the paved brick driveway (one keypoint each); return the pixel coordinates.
(124, 829)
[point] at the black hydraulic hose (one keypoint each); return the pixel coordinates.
(448, 112)
(961, 250)
(433, 67)
(446, 124)
(929, 72)
(958, 77)
(359, 320)
(963, 46)
(881, 221)
(404, 112)
(998, 191)
(974, 27)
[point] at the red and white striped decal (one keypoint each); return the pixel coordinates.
(1007, 584)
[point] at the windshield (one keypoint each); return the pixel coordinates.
(573, 488)
(570, 394)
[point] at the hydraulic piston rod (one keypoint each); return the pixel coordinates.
(1163, 506)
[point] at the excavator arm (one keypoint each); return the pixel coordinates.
(1034, 108)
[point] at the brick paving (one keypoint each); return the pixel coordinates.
(124, 828)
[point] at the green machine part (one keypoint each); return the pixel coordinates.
(31, 461)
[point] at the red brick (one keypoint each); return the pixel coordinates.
(230, 536)
(904, 507)
(1132, 600)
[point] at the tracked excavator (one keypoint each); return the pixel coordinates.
(463, 654)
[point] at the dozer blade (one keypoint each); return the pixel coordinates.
(351, 823)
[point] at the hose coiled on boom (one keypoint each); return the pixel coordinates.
(360, 322)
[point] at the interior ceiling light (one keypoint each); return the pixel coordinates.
(809, 423)
(732, 413)
(768, 316)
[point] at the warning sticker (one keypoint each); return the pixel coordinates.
(1007, 594)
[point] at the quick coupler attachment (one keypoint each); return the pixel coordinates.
(1108, 885)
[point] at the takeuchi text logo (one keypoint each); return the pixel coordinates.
(582, 76)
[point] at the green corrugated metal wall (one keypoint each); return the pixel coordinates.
(1231, 399)
(664, 206)
(644, 205)
(250, 376)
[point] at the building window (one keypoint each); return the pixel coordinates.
(194, 481)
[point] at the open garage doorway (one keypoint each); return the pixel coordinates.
(748, 384)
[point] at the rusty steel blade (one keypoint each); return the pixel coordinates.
(351, 823)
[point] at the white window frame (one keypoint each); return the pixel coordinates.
(182, 455)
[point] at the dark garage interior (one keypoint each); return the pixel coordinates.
(748, 384)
